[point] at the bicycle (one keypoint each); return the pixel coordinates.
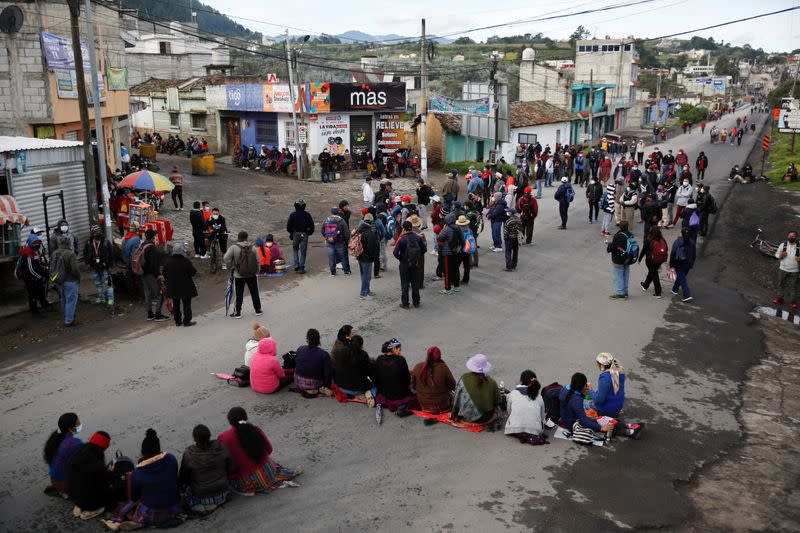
(762, 245)
(215, 251)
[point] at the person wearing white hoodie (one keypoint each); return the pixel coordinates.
(789, 255)
(511, 196)
(682, 198)
(366, 190)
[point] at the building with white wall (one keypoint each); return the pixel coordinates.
(542, 82)
(533, 122)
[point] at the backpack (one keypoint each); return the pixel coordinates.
(552, 405)
(631, 250)
(712, 206)
(413, 257)
(58, 269)
(248, 264)
(470, 246)
(137, 259)
(121, 467)
(659, 252)
(289, 359)
(240, 376)
(526, 208)
(19, 268)
(355, 247)
(694, 220)
(569, 194)
(330, 231)
(604, 202)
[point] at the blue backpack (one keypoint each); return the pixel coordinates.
(569, 194)
(631, 250)
(470, 246)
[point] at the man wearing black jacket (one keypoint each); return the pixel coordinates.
(198, 223)
(619, 261)
(98, 256)
(424, 193)
(152, 277)
(410, 252)
(371, 253)
(300, 226)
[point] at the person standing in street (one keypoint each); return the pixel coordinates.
(496, 216)
(564, 196)
(367, 192)
(243, 259)
(681, 259)
(370, 252)
(336, 234)
(33, 272)
(701, 165)
(640, 151)
(450, 242)
(217, 228)
(789, 254)
(178, 274)
(451, 185)
(511, 230)
(706, 206)
(66, 276)
(624, 252)
(424, 194)
(469, 248)
(608, 206)
(177, 192)
(410, 252)
(98, 255)
(594, 193)
(198, 223)
(528, 209)
(62, 229)
(300, 227)
(655, 253)
(151, 276)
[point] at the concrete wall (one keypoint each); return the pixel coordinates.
(545, 134)
(539, 82)
(142, 67)
(616, 68)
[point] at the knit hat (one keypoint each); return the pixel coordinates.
(269, 238)
(526, 190)
(260, 332)
(364, 211)
(478, 363)
(369, 218)
(564, 179)
(101, 440)
(406, 199)
(393, 343)
(462, 221)
(151, 445)
(437, 229)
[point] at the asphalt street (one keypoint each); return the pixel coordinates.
(552, 315)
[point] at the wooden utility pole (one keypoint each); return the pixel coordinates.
(83, 106)
(423, 107)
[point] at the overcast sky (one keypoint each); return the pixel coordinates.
(776, 33)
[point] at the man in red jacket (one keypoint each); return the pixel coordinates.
(681, 160)
(528, 209)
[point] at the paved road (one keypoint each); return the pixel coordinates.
(552, 315)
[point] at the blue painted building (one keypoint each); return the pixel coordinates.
(602, 120)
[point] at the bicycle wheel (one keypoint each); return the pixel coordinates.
(214, 257)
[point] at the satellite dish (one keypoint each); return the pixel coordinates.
(11, 19)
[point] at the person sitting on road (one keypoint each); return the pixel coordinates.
(255, 471)
(60, 446)
(274, 253)
(313, 372)
(266, 373)
(573, 413)
(251, 346)
(90, 482)
(205, 466)
(434, 383)
(342, 343)
(477, 395)
(393, 380)
(154, 491)
(526, 411)
(609, 398)
(353, 368)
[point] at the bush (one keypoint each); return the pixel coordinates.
(690, 113)
(463, 166)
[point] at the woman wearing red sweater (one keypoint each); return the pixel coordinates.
(250, 449)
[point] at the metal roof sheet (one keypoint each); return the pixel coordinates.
(13, 144)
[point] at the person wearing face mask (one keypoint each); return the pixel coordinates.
(198, 222)
(62, 229)
(32, 270)
(274, 252)
(216, 227)
(682, 198)
(60, 446)
(630, 200)
(98, 255)
(206, 211)
(789, 254)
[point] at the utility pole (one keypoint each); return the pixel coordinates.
(83, 106)
(423, 107)
(98, 122)
(496, 103)
(591, 105)
(658, 94)
(294, 106)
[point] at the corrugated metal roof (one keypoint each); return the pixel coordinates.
(537, 113)
(13, 144)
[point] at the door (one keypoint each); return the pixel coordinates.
(232, 133)
(479, 151)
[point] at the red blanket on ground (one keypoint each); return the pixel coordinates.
(444, 418)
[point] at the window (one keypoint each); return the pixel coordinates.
(582, 48)
(164, 47)
(558, 136)
(616, 48)
(289, 131)
(595, 48)
(627, 48)
(198, 121)
(527, 138)
(604, 48)
(174, 121)
(267, 132)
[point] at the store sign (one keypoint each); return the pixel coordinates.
(360, 133)
(317, 97)
(58, 52)
(444, 104)
(244, 97)
(277, 98)
(334, 133)
(390, 131)
(367, 96)
(67, 86)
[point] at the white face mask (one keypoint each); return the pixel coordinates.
(685, 183)
(215, 217)
(206, 208)
(64, 229)
(77, 429)
(269, 245)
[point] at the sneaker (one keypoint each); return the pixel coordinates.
(370, 398)
(224, 266)
(658, 296)
(99, 301)
(456, 289)
(376, 276)
(506, 269)
(206, 256)
(674, 292)
(259, 312)
(445, 291)
(246, 494)
(110, 302)
(492, 248)
(634, 431)
(236, 316)
(160, 318)
(379, 414)
(688, 299)
(405, 306)
(366, 297)
(619, 296)
(641, 284)
(198, 256)
(549, 423)
(188, 324)
(436, 278)
(150, 316)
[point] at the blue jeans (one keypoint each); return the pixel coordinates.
(549, 182)
(365, 268)
(337, 253)
(104, 285)
(497, 230)
(621, 273)
(299, 248)
(68, 292)
(325, 178)
(682, 282)
(539, 185)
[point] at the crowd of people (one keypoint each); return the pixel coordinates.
(172, 145)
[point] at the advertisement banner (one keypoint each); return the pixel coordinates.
(444, 104)
(117, 78)
(390, 131)
(334, 133)
(58, 52)
(245, 96)
(66, 84)
(317, 97)
(277, 99)
(368, 96)
(360, 133)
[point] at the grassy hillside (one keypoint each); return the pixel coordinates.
(208, 18)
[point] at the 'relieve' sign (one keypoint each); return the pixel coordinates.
(368, 96)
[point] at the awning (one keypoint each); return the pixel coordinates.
(8, 211)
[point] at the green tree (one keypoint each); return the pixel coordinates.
(464, 40)
(724, 66)
(579, 33)
(782, 91)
